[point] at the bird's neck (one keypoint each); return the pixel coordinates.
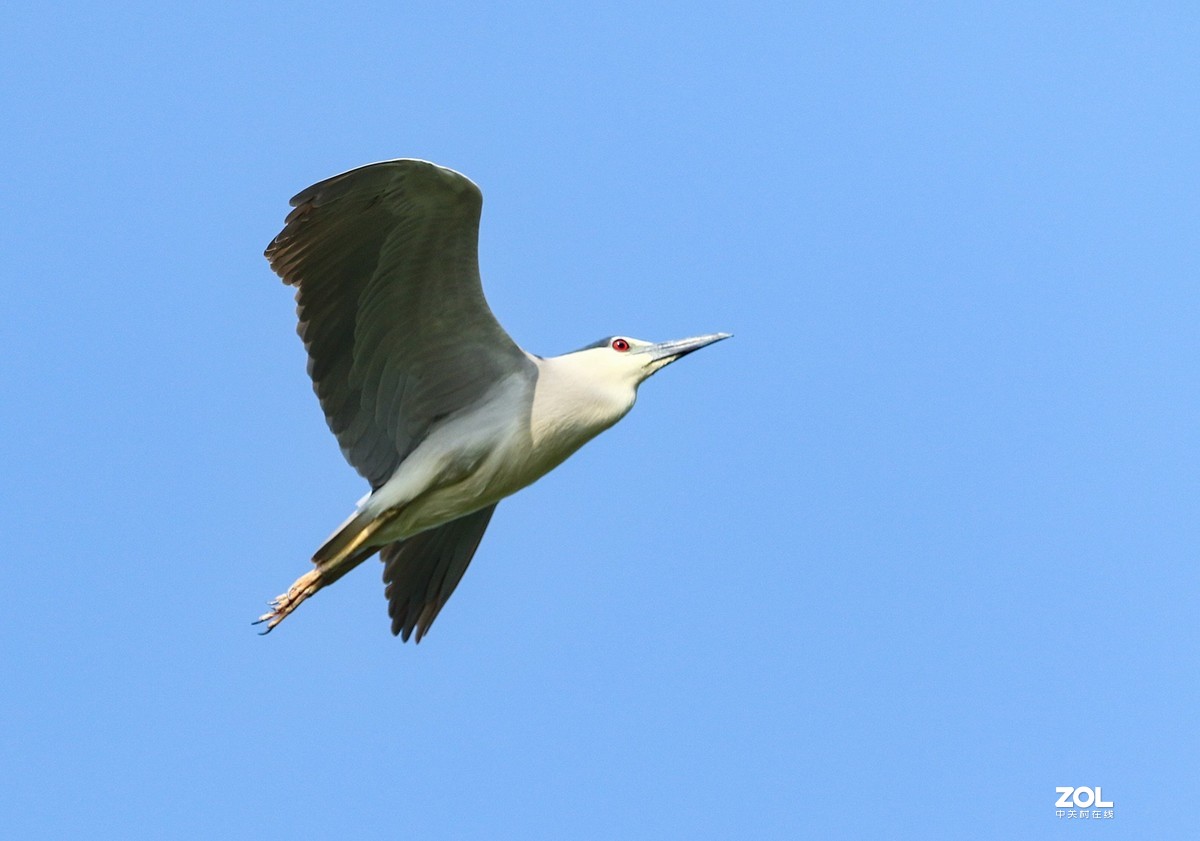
(571, 404)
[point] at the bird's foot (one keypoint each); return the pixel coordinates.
(285, 603)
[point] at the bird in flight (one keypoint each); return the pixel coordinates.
(430, 399)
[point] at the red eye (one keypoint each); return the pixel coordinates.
(620, 345)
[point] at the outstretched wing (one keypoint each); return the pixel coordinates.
(390, 304)
(422, 571)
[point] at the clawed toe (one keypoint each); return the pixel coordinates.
(283, 604)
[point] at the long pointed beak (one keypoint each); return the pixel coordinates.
(666, 352)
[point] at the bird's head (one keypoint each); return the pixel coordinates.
(629, 361)
(588, 390)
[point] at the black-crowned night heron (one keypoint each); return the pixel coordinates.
(429, 398)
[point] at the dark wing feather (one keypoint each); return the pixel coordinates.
(422, 571)
(390, 305)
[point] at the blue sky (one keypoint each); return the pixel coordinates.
(915, 548)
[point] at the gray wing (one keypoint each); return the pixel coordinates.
(390, 305)
(422, 571)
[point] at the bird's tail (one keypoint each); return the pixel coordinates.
(345, 549)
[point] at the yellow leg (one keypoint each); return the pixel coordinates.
(284, 604)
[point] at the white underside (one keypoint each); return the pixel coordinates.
(506, 443)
